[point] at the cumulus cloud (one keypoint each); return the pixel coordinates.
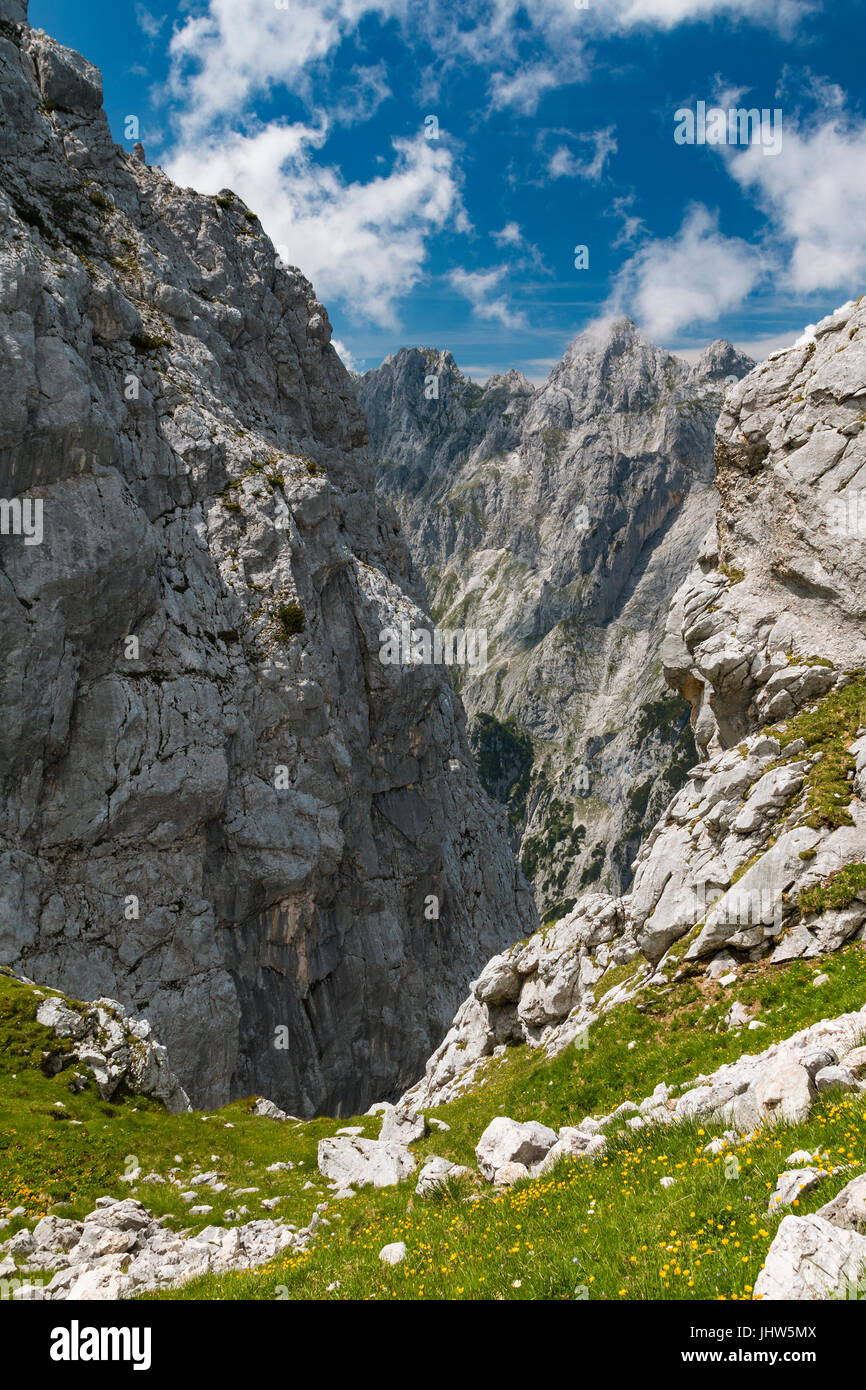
(814, 194)
(692, 277)
(480, 288)
(232, 49)
(364, 243)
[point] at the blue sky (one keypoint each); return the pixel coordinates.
(554, 129)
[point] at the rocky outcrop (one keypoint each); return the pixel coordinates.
(120, 1052)
(121, 1249)
(774, 610)
(762, 853)
(219, 806)
(560, 521)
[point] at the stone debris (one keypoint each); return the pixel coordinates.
(120, 1249)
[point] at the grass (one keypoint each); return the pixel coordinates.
(290, 619)
(605, 1230)
(601, 1230)
(49, 1163)
(836, 891)
(829, 728)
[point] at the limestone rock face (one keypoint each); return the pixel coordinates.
(781, 582)
(761, 854)
(219, 806)
(560, 520)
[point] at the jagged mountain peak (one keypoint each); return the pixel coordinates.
(720, 360)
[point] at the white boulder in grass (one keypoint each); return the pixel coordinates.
(812, 1259)
(435, 1172)
(393, 1254)
(354, 1162)
(402, 1125)
(507, 1141)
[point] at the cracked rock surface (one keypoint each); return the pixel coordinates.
(219, 807)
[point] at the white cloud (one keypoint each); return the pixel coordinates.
(689, 278)
(479, 287)
(233, 49)
(227, 51)
(564, 164)
(350, 362)
(783, 15)
(814, 193)
(510, 235)
(523, 87)
(147, 22)
(631, 225)
(362, 243)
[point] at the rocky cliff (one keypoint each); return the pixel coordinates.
(761, 855)
(219, 806)
(561, 521)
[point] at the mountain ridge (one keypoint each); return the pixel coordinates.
(559, 518)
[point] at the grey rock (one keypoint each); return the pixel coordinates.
(402, 1126)
(791, 1186)
(529, 508)
(393, 1254)
(435, 1172)
(848, 1208)
(197, 826)
(353, 1162)
(836, 1078)
(116, 1049)
(506, 1141)
(811, 1259)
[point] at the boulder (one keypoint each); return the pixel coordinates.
(266, 1110)
(510, 1173)
(784, 1091)
(848, 1208)
(435, 1172)
(400, 1125)
(791, 1186)
(508, 1141)
(353, 1162)
(836, 1078)
(811, 1259)
(855, 1062)
(393, 1254)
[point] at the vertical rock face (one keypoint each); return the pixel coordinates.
(777, 601)
(561, 520)
(761, 855)
(219, 806)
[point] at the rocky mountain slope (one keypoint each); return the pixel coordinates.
(560, 521)
(219, 806)
(762, 853)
